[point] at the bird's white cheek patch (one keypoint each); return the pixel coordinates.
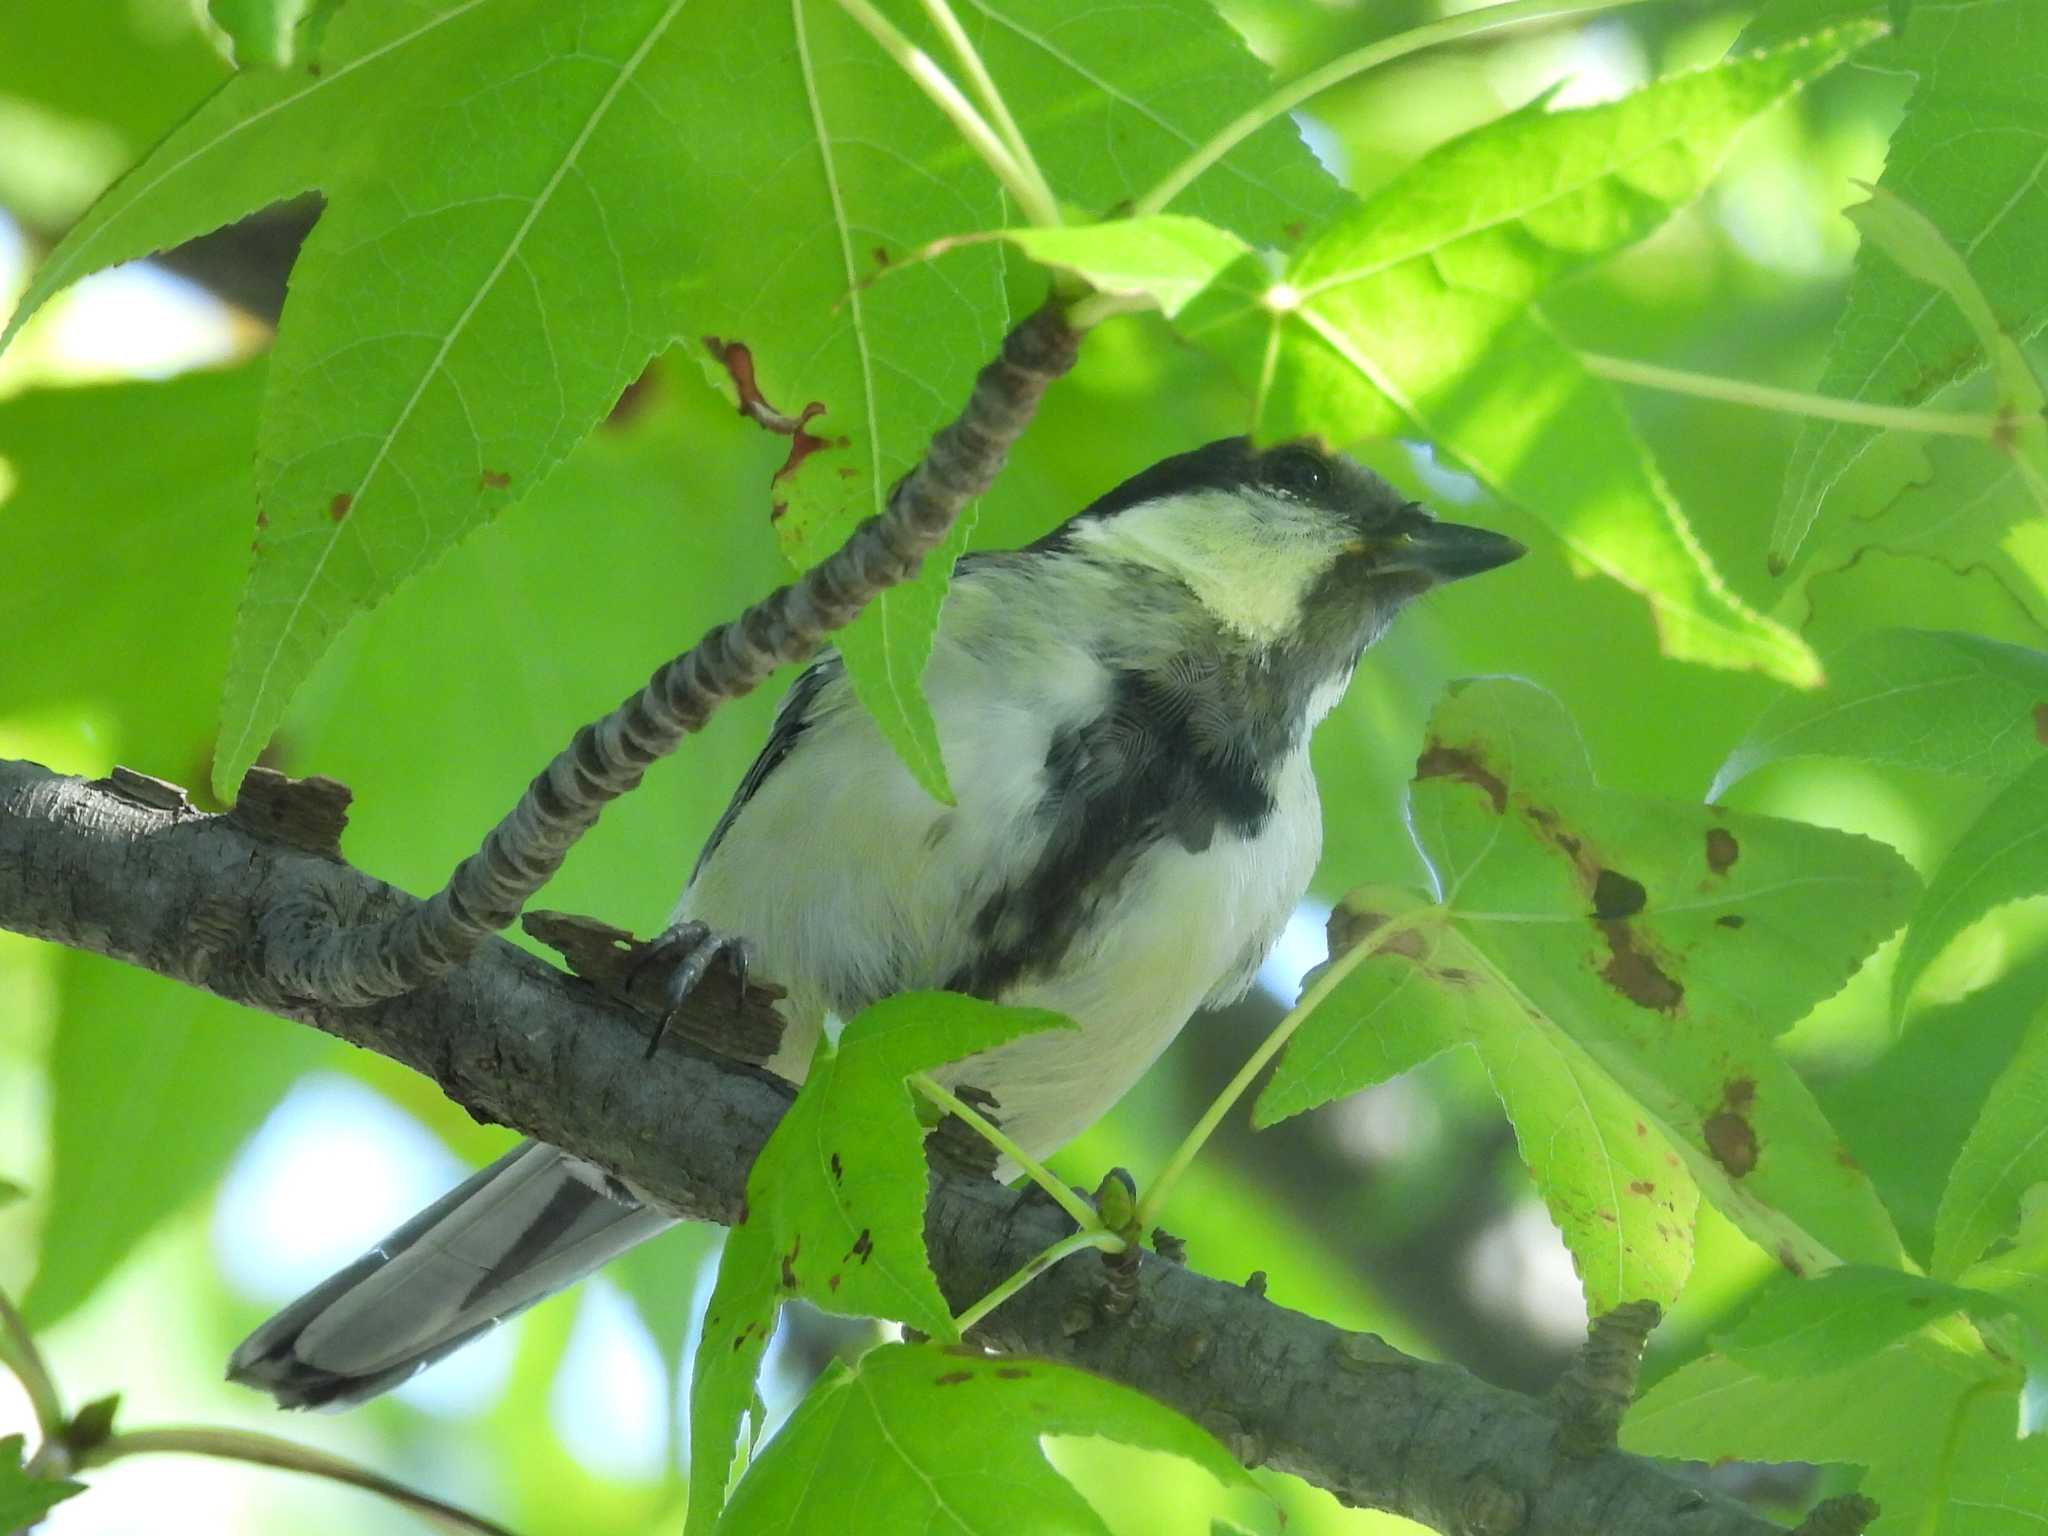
(1254, 585)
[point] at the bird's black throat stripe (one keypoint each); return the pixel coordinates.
(1158, 763)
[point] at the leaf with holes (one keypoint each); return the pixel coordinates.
(835, 1205)
(926, 1432)
(1911, 698)
(1414, 314)
(449, 336)
(1664, 944)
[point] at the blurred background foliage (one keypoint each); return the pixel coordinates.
(193, 1166)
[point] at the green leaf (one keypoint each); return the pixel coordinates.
(1414, 314)
(24, 1500)
(843, 1192)
(143, 551)
(1910, 698)
(261, 30)
(947, 1441)
(835, 1206)
(1967, 152)
(1931, 1418)
(2001, 858)
(739, 1319)
(1912, 240)
(1161, 262)
(449, 335)
(10, 1192)
(1667, 942)
(2018, 1277)
(1806, 1327)
(2005, 1156)
(155, 1087)
(901, 354)
(1618, 1193)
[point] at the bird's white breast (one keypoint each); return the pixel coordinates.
(850, 881)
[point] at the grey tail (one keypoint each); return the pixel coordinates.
(533, 1222)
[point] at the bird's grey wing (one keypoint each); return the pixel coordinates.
(792, 719)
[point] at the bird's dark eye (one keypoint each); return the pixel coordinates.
(1297, 471)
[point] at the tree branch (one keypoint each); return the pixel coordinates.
(356, 963)
(124, 868)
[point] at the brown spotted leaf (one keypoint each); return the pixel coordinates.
(1619, 1194)
(1654, 949)
(835, 1207)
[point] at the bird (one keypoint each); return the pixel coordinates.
(1124, 710)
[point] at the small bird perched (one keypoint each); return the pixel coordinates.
(1124, 709)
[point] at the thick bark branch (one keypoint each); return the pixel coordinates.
(123, 869)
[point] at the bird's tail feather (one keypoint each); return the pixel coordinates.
(520, 1230)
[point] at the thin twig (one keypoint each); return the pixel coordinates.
(1357, 62)
(1026, 186)
(984, 86)
(353, 966)
(19, 1353)
(270, 1451)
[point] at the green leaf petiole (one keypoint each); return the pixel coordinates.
(1450, 29)
(1083, 1213)
(1794, 402)
(1073, 1242)
(1331, 976)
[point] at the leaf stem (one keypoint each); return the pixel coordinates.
(19, 1354)
(1371, 56)
(1333, 972)
(1036, 203)
(270, 1451)
(984, 86)
(1706, 386)
(1082, 1212)
(1072, 1243)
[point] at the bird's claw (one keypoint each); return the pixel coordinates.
(687, 951)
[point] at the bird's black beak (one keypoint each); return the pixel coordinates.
(1450, 551)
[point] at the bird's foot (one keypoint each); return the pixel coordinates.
(686, 951)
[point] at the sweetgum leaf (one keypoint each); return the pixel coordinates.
(2003, 857)
(2005, 1156)
(525, 200)
(1161, 262)
(835, 1207)
(1414, 314)
(1665, 943)
(947, 1441)
(1805, 1327)
(1966, 153)
(1911, 698)
(1618, 1193)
